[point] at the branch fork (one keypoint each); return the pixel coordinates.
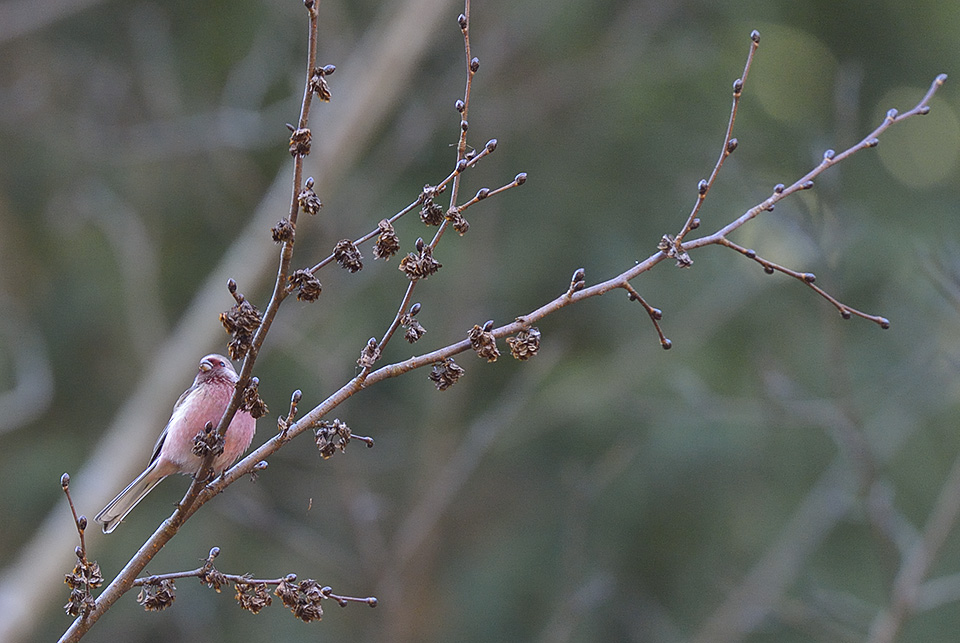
(521, 334)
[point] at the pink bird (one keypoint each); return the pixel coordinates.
(203, 402)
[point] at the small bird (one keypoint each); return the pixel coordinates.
(205, 401)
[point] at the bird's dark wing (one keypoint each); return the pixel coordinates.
(163, 434)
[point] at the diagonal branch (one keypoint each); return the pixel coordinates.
(807, 278)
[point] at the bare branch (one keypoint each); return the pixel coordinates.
(729, 144)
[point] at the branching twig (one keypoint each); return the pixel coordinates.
(830, 158)
(454, 214)
(417, 266)
(304, 598)
(86, 575)
(729, 145)
(806, 278)
(655, 314)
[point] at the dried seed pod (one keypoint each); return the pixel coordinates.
(251, 402)
(431, 213)
(348, 255)
(241, 322)
(283, 232)
(387, 243)
(300, 142)
(332, 436)
(307, 284)
(252, 597)
(445, 374)
(157, 596)
(526, 344)
(370, 354)
(318, 84)
(483, 342)
(308, 199)
(420, 264)
(455, 217)
(414, 329)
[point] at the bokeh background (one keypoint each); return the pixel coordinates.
(761, 481)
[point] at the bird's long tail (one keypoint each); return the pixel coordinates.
(127, 499)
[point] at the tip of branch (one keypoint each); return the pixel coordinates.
(755, 36)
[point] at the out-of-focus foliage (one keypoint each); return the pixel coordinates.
(605, 490)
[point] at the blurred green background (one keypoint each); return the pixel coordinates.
(758, 482)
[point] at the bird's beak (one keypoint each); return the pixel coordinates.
(205, 366)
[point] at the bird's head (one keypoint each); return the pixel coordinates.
(215, 366)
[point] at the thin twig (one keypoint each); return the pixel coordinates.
(729, 144)
(438, 188)
(655, 314)
(829, 159)
(464, 108)
(209, 574)
(806, 278)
